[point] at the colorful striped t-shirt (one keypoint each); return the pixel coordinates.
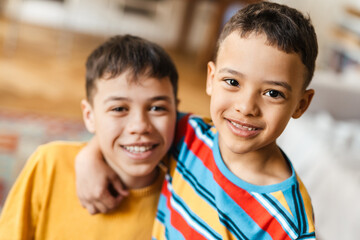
(202, 199)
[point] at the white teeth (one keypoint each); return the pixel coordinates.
(241, 126)
(138, 149)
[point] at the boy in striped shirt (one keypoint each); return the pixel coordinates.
(230, 180)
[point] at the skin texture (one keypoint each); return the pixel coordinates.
(134, 124)
(255, 89)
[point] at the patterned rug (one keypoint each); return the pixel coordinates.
(22, 132)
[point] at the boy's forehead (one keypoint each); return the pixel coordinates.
(237, 37)
(235, 41)
(129, 78)
(254, 43)
(138, 83)
(253, 55)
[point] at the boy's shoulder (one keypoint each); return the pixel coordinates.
(55, 152)
(189, 124)
(195, 121)
(187, 116)
(59, 146)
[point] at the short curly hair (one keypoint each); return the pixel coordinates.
(285, 27)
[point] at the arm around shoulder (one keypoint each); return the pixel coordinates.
(94, 178)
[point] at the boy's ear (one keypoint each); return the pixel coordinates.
(88, 115)
(304, 103)
(210, 77)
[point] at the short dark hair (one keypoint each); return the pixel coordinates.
(126, 53)
(284, 27)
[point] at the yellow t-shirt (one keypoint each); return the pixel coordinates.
(43, 203)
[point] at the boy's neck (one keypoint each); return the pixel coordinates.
(131, 182)
(263, 167)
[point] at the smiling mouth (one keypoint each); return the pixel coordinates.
(138, 148)
(240, 126)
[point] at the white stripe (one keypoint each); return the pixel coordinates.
(169, 185)
(200, 135)
(276, 215)
(188, 219)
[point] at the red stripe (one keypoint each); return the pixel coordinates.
(181, 126)
(164, 189)
(244, 199)
(177, 221)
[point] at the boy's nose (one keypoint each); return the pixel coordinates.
(247, 104)
(139, 123)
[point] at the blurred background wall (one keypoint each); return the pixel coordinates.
(185, 27)
(44, 45)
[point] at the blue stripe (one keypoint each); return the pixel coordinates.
(201, 131)
(231, 226)
(199, 177)
(281, 212)
(308, 236)
(162, 211)
(195, 184)
(203, 126)
(237, 220)
(202, 182)
(301, 211)
(208, 197)
(195, 218)
(297, 208)
(160, 216)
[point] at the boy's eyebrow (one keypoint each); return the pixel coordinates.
(115, 98)
(161, 98)
(156, 98)
(232, 71)
(277, 83)
(281, 84)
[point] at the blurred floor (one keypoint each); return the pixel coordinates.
(44, 72)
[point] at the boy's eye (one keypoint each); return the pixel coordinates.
(232, 82)
(157, 108)
(274, 94)
(118, 109)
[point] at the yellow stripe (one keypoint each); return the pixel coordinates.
(172, 165)
(158, 230)
(200, 207)
(308, 206)
(281, 198)
(213, 130)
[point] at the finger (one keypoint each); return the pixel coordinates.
(111, 202)
(83, 202)
(102, 208)
(91, 209)
(93, 206)
(117, 186)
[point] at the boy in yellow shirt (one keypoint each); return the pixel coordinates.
(131, 87)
